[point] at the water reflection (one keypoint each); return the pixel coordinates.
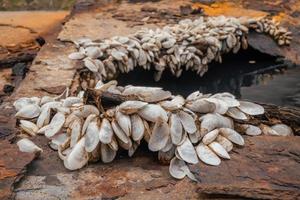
(237, 74)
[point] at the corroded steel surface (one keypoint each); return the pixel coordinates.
(265, 168)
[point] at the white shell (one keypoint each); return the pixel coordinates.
(124, 122)
(176, 103)
(225, 143)
(85, 110)
(210, 122)
(130, 107)
(232, 135)
(187, 122)
(119, 132)
(29, 127)
(201, 106)
(251, 130)
(251, 108)
(76, 126)
(69, 101)
(207, 155)
(137, 127)
(153, 112)
(106, 132)
(219, 150)
(78, 157)
(21, 102)
(91, 136)
(87, 121)
(220, 106)
(26, 145)
(210, 136)
(176, 131)
(107, 154)
(28, 111)
(76, 56)
(55, 125)
(44, 118)
(160, 136)
(236, 114)
(283, 130)
(187, 152)
(147, 94)
(178, 169)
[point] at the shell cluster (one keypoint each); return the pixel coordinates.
(182, 130)
(189, 45)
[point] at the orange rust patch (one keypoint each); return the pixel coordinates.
(228, 9)
(4, 172)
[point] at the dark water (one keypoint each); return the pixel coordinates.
(267, 80)
(17, 5)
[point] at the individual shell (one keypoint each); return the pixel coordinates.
(69, 101)
(210, 122)
(22, 102)
(43, 118)
(26, 145)
(176, 131)
(59, 140)
(119, 132)
(251, 108)
(178, 169)
(107, 154)
(201, 106)
(106, 132)
(137, 127)
(232, 135)
(206, 155)
(85, 110)
(76, 56)
(221, 107)
(130, 107)
(283, 130)
(236, 114)
(124, 122)
(187, 122)
(55, 125)
(187, 152)
(153, 112)
(75, 127)
(176, 103)
(249, 129)
(78, 156)
(92, 136)
(28, 111)
(160, 135)
(225, 143)
(219, 150)
(87, 121)
(210, 136)
(147, 94)
(29, 127)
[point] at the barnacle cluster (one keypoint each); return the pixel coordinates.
(198, 128)
(188, 45)
(182, 130)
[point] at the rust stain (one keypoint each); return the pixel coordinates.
(4, 172)
(228, 9)
(12, 164)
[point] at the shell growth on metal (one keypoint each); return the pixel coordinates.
(199, 128)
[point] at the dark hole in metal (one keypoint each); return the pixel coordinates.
(236, 71)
